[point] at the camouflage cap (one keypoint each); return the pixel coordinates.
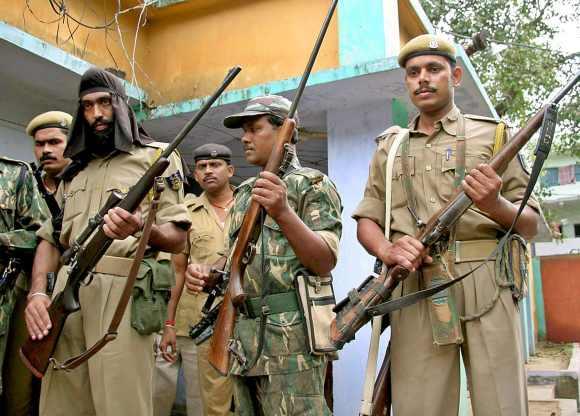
(275, 105)
(426, 45)
(212, 151)
(58, 119)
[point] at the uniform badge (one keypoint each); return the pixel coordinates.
(174, 181)
(433, 44)
(213, 153)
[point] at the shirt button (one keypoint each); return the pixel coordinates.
(428, 145)
(432, 200)
(428, 168)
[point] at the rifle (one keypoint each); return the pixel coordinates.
(37, 354)
(351, 316)
(250, 230)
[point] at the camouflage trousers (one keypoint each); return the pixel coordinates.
(300, 393)
(7, 301)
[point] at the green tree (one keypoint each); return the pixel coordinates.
(522, 68)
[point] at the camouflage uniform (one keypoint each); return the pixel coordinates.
(22, 211)
(286, 378)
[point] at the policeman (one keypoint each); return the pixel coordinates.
(273, 369)
(209, 212)
(443, 149)
(49, 131)
(109, 152)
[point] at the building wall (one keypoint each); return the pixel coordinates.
(37, 18)
(14, 143)
(351, 133)
(561, 290)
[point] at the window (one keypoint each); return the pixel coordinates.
(576, 230)
(550, 177)
(577, 172)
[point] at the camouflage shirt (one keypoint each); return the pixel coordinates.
(314, 198)
(22, 211)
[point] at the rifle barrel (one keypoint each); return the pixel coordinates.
(312, 59)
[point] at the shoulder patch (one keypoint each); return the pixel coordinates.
(481, 118)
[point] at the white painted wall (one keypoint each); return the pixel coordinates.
(351, 144)
(14, 143)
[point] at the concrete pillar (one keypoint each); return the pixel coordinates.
(351, 134)
(14, 143)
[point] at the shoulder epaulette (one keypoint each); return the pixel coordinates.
(481, 118)
(14, 161)
(313, 175)
(391, 130)
(157, 145)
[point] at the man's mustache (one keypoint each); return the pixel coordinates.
(47, 157)
(425, 89)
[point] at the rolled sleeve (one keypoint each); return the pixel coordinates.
(515, 181)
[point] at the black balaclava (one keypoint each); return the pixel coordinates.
(126, 131)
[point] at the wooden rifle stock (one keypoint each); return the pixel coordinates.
(382, 389)
(248, 234)
(36, 354)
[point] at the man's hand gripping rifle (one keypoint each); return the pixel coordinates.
(37, 354)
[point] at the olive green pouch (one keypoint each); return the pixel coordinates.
(316, 298)
(151, 294)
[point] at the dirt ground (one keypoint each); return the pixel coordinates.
(550, 356)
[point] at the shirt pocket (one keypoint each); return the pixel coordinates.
(398, 195)
(202, 243)
(75, 198)
(276, 243)
(448, 164)
(285, 335)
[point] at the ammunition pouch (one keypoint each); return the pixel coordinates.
(513, 266)
(317, 302)
(151, 294)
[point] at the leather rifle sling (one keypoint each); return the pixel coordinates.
(371, 368)
(111, 333)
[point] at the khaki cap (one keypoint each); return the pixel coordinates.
(212, 151)
(57, 119)
(427, 45)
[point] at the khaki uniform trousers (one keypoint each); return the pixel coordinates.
(207, 392)
(426, 376)
(165, 380)
(118, 380)
(21, 388)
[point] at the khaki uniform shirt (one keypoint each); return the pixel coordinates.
(314, 198)
(206, 242)
(432, 162)
(83, 196)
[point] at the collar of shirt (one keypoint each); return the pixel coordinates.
(449, 123)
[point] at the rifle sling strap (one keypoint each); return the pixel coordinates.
(111, 333)
(407, 300)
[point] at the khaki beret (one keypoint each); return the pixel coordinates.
(212, 151)
(58, 119)
(426, 45)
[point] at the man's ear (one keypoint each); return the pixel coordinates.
(457, 75)
(231, 170)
